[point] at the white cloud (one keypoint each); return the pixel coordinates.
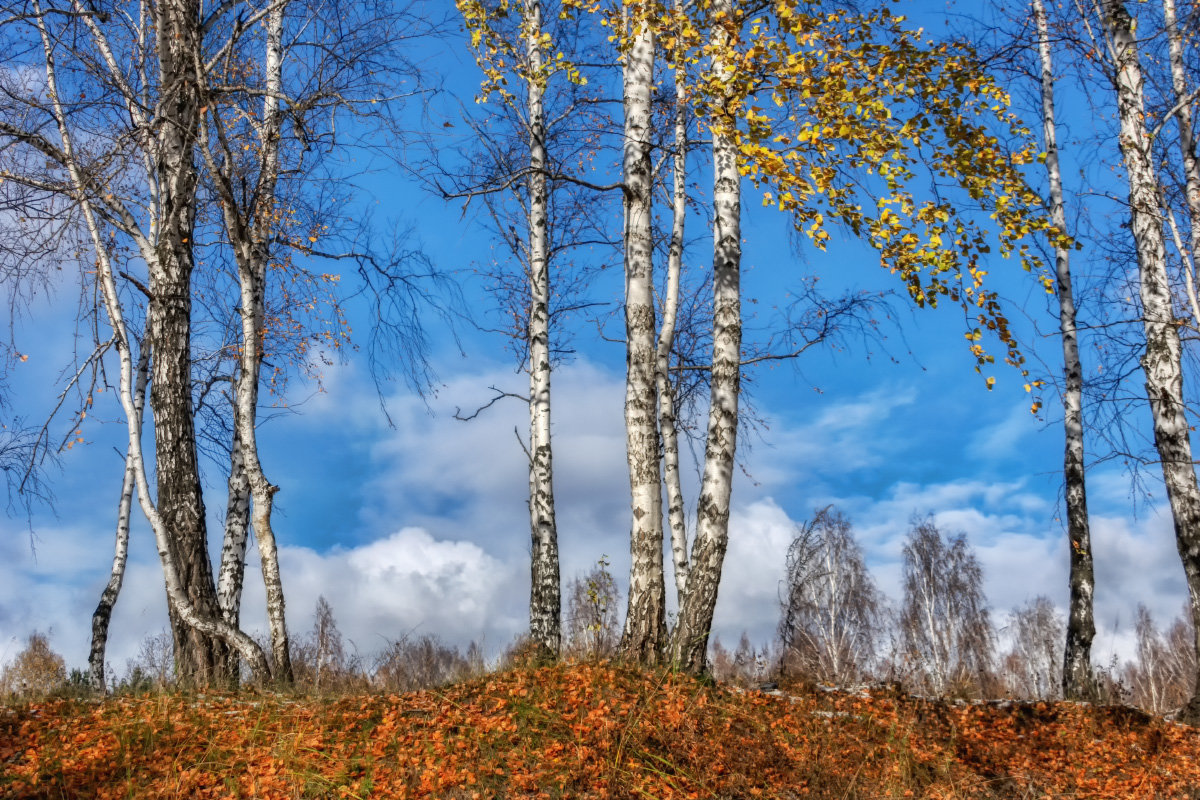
(430, 529)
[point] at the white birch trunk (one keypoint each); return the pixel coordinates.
(545, 596)
(1161, 362)
(690, 645)
(112, 590)
(231, 574)
(645, 619)
(252, 253)
(177, 593)
(1081, 626)
(676, 519)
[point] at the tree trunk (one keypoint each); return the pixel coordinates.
(200, 659)
(690, 646)
(644, 634)
(232, 572)
(1081, 626)
(108, 598)
(179, 601)
(676, 519)
(1161, 362)
(253, 277)
(250, 225)
(545, 595)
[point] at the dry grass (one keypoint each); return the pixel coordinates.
(588, 731)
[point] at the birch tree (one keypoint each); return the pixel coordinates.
(112, 590)
(128, 162)
(1162, 359)
(690, 640)
(251, 218)
(1081, 626)
(833, 614)
(644, 636)
(540, 182)
(1034, 665)
(945, 628)
(863, 109)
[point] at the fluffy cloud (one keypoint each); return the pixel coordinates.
(422, 528)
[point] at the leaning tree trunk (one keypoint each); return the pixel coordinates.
(1081, 625)
(108, 598)
(545, 595)
(644, 633)
(690, 645)
(1161, 362)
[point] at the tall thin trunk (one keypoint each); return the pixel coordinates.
(644, 634)
(667, 418)
(1187, 134)
(200, 659)
(1081, 625)
(250, 226)
(112, 590)
(252, 238)
(191, 617)
(545, 595)
(1161, 362)
(690, 646)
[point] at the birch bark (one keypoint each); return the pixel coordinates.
(1161, 361)
(545, 596)
(1081, 626)
(231, 574)
(191, 617)
(667, 418)
(690, 643)
(200, 659)
(644, 634)
(250, 224)
(112, 590)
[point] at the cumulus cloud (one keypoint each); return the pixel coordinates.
(422, 527)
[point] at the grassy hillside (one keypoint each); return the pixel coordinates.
(588, 731)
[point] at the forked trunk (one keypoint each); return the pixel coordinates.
(205, 624)
(690, 644)
(1161, 362)
(1081, 625)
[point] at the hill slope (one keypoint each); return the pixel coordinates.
(589, 731)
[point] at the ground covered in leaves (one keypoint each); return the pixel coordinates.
(589, 731)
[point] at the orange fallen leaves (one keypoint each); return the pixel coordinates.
(588, 731)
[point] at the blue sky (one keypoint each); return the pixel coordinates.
(422, 527)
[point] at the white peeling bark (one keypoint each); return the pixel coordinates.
(676, 520)
(231, 574)
(112, 590)
(644, 633)
(1161, 361)
(545, 596)
(250, 236)
(1081, 626)
(690, 645)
